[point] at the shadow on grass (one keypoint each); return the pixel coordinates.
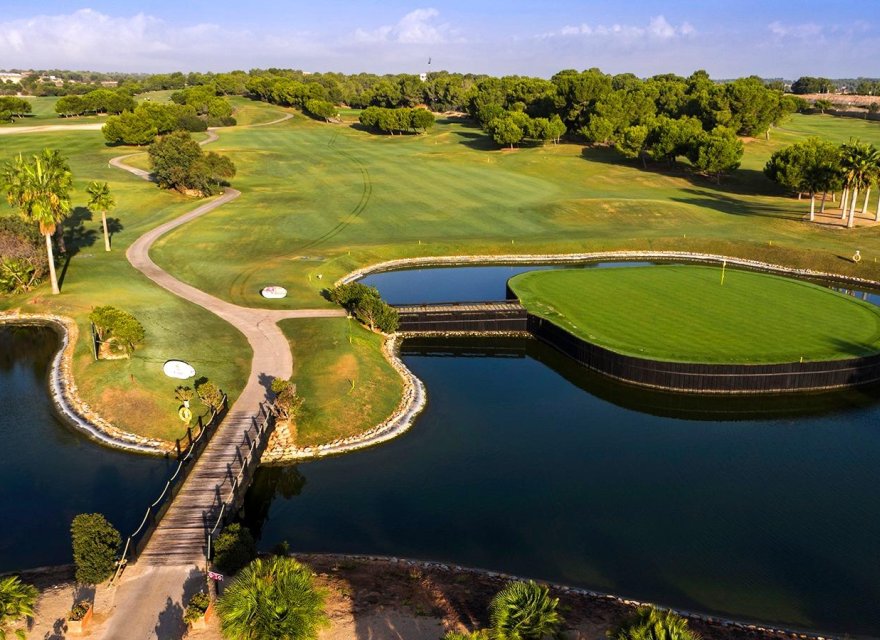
(74, 238)
(709, 199)
(742, 181)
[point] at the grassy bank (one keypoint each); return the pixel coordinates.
(346, 383)
(322, 199)
(686, 314)
(134, 394)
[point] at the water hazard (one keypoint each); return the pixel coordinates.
(48, 473)
(763, 509)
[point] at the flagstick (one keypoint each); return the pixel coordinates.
(723, 267)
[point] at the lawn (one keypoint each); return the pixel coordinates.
(686, 314)
(134, 394)
(345, 382)
(319, 200)
(322, 199)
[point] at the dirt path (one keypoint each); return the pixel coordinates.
(49, 128)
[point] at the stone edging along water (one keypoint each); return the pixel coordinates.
(414, 395)
(411, 403)
(65, 395)
(595, 256)
(715, 621)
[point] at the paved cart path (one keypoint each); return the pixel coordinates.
(151, 596)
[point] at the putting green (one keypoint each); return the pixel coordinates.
(685, 314)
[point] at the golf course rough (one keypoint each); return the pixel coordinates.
(684, 313)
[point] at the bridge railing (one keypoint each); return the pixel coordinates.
(186, 458)
(254, 443)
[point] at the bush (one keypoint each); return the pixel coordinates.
(192, 123)
(524, 611)
(95, 544)
(272, 599)
(287, 402)
(234, 548)
(652, 624)
(117, 328)
(367, 306)
(210, 395)
(79, 610)
(196, 606)
(17, 601)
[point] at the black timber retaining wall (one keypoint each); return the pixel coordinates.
(469, 317)
(709, 378)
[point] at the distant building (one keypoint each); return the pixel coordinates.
(10, 77)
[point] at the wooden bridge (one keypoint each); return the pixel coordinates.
(502, 316)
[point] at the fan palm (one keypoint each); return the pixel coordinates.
(16, 602)
(101, 199)
(653, 624)
(859, 162)
(524, 611)
(40, 189)
(272, 599)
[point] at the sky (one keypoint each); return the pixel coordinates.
(730, 38)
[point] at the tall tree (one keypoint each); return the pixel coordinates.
(39, 188)
(859, 162)
(101, 199)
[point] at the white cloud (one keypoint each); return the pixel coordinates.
(416, 27)
(806, 30)
(658, 28)
(88, 39)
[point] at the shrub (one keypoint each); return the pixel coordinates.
(95, 544)
(196, 607)
(649, 623)
(473, 635)
(367, 306)
(524, 611)
(272, 599)
(79, 610)
(287, 403)
(23, 262)
(210, 395)
(234, 548)
(117, 328)
(192, 123)
(17, 601)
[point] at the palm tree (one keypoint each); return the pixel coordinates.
(101, 199)
(271, 599)
(524, 611)
(858, 161)
(40, 189)
(653, 624)
(17, 601)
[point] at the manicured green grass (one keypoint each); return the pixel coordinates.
(346, 383)
(134, 394)
(685, 314)
(322, 199)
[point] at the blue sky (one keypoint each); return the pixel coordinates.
(773, 38)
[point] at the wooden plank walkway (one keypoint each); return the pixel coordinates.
(180, 537)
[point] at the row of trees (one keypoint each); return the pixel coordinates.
(12, 107)
(151, 119)
(204, 100)
(99, 101)
(816, 166)
(400, 120)
(512, 127)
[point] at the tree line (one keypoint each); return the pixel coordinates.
(815, 166)
(399, 120)
(12, 107)
(99, 101)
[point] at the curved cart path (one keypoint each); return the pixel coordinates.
(152, 594)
